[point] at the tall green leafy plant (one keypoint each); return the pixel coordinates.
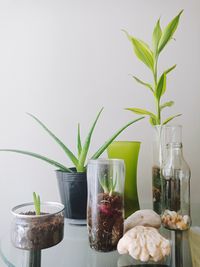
(150, 57)
(78, 161)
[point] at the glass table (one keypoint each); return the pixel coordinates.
(74, 251)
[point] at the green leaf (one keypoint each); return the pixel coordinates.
(168, 32)
(36, 200)
(141, 111)
(167, 104)
(157, 33)
(142, 51)
(79, 146)
(112, 138)
(66, 150)
(83, 155)
(50, 161)
(170, 69)
(143, 83)
(108, 184)
(171, 118)
(153, 118)
(161, 87)
(153, 121)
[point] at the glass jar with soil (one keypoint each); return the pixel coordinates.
(35, 232)
(105, 207)
(175, 179)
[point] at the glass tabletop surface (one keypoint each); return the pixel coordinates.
(74, 250)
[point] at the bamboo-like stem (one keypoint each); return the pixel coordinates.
(155, 75)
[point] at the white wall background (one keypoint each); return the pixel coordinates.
(62, 60)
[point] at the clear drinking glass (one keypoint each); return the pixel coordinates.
(105, 206)
(175, 180)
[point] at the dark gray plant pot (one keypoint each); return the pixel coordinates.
(73, 193)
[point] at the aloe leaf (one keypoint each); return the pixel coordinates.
(142, 51)
(167, 104)
(83, 155)
(157, 33)
(170, 118)
(50, 161)
(143, 83)
(66, 150)
(170, 69)
(112, 138)
(168, 32)
(79, 146)
(161, 87)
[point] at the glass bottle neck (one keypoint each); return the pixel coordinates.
(174, 150)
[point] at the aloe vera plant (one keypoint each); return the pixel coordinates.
(78, 161)
(150, 56)
(36, 201)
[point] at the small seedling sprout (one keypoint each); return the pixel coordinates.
(36, 200)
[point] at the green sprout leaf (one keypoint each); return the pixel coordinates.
(36, 200)
(108, 184)
(168, 32)
(157, 33)
(143, 83)
(171, 118)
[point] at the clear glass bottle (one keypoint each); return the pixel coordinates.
(105, 207)
(175, 182)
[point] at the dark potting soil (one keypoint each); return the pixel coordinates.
(35, 234)
(105, 222)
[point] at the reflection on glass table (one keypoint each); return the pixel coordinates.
(74, 251)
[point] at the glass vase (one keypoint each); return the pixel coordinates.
(158, 158)
(105, 206)
(129, 152)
